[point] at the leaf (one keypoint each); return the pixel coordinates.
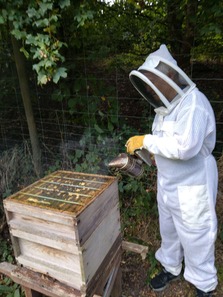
(17, 293)
(60, 72)
(42, 78)
(32, 12)
(36, 67)
(5, 289)
(10, 259)
(44, 7)
(98, 129)
(57, 95)
(18, 34)
(2, 20)
(79, 153)
(49, 64)
(114, 119)
(110, 126)
(71, 103)
(64, 3)
(24, 51)
(101, 113)
(30, 39)
(42, 23)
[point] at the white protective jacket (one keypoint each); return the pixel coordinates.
(182, 140)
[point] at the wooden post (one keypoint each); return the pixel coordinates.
(136, 248)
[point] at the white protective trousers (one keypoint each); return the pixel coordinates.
(182, 143)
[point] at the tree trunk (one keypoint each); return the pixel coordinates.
(174, 20)
(181, 26)
(190, 25)
(24, 87)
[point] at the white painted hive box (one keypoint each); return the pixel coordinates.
(65, 224)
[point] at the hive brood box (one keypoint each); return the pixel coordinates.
(65, 224)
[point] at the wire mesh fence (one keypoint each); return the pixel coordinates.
(95, 109)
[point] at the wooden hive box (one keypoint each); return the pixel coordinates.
(65, 224)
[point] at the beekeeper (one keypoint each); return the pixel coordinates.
(182, 140)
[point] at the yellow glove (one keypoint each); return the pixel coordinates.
(134, 143)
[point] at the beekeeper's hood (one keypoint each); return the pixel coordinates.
(160, 81)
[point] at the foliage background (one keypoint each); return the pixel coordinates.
(78, 55)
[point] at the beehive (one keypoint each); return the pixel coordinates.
(65, 224)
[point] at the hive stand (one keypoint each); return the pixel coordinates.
(36, 284)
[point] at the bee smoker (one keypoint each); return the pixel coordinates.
(132, 165)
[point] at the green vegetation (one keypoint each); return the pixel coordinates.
(7, 287)
(73, 60)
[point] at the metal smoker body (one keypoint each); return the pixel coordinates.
(132, 165)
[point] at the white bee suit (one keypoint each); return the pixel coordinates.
(182, 140)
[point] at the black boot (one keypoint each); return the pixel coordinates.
(159, 282)
(203, 294)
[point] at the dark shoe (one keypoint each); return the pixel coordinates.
(203, 294)
(159, 282)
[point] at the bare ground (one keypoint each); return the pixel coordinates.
(135, 281)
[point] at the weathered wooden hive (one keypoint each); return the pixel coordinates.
(65, 225)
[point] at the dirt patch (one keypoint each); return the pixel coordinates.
(135, 281)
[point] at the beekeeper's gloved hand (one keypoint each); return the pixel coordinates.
(134, 143)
